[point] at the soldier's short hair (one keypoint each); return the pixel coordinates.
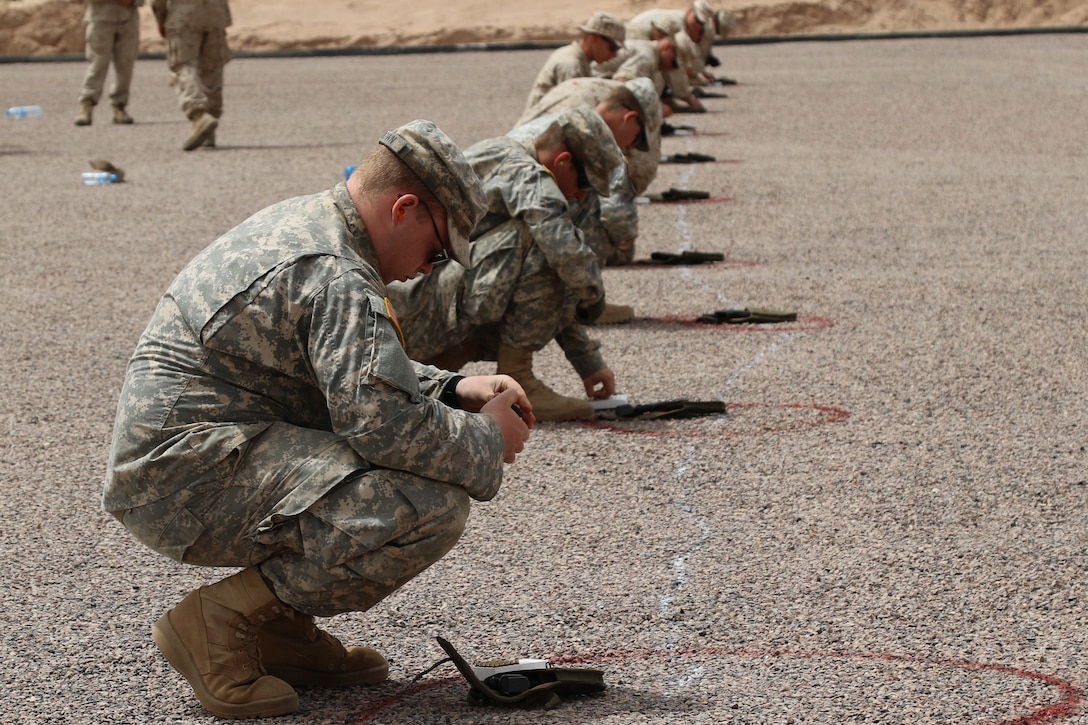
(621, 96)
(382, 172)
(554, 137)
(550, 138)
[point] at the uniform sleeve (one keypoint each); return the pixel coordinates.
(376, 395)
(582, 351)
(619, 215)
(678, 82)
(534, 197)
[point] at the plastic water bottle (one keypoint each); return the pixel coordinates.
(94, 178)
(24, 112)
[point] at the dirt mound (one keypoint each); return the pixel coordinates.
(41, 27)
(45, 27)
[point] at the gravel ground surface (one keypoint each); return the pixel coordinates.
(888, 526)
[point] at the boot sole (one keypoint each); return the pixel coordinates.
(175, 652)
(201, 134)
(308, 678)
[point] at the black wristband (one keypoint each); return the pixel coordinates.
(449, 392)
(588, 313)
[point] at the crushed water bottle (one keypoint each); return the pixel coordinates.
(24, 112)
(94, 178)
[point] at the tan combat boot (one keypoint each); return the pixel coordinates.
(614, 315)
(548, 405)
(209, 141)
(210, 637)
(120, 115)
(203, 126)
(83, 118)
(295, 650)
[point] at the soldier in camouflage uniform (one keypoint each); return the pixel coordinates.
(196, 53)
(610, 224)
(113, 33)
(646, 59)
(270, 419)
(533, 276)
(665, 61)
(697, 24)
(602, 37)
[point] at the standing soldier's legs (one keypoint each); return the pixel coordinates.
(99, 38)
(214, 56)
(126, 47)
(183, 53)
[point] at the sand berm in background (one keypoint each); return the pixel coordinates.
(46, 27)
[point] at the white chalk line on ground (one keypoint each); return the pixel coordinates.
(692, 675)
(686, 237)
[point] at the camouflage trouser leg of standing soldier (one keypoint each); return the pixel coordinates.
(106, 42)
(197, 59)
(330, 532)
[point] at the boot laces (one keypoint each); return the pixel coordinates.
(246, 634)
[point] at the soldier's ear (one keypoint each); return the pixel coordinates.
(402, 204)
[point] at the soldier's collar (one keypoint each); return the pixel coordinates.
(360, 237)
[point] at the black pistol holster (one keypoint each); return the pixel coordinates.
(525, 683)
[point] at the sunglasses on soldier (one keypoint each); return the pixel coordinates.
(441, 255)
(612, 45)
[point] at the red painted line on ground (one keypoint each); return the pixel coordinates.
(831, 414)
(804, 323)
(411, 689)
(1069, 703)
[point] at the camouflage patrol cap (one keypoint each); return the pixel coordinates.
(607, 26)
(659, 29)
(703, 12)
(440, 165)
(646, 94)
(593, 146)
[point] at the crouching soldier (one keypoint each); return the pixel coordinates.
(533, 278)
(271, 420)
